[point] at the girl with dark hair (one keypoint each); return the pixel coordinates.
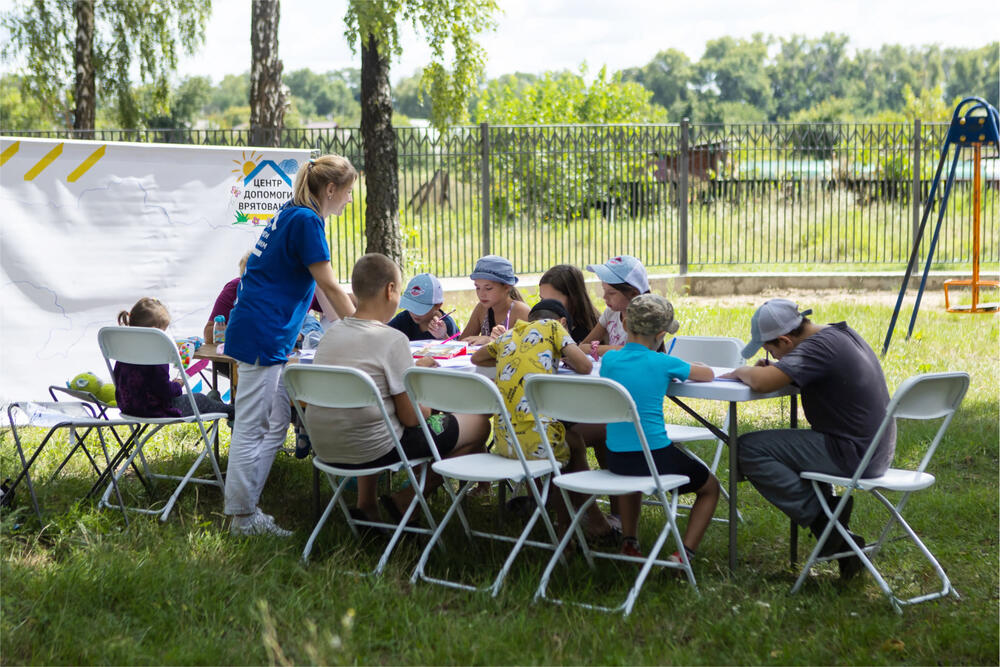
(564, 283)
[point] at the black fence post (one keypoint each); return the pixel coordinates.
(682, 199)
(917, 182)
(484, 171)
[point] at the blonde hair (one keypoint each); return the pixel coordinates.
(147, 312)
(243, 262)
(313, 177)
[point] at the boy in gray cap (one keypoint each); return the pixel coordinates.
(844, 397)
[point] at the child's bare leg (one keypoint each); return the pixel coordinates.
(367, 491)
(472, 433)
(706, 498)
(630, 504)
(594, 435)
(594, 522)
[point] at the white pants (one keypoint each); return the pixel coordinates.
(262, 419)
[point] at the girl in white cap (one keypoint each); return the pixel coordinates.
(500, 304)
(623, 278)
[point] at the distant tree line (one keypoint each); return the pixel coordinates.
(736, 80)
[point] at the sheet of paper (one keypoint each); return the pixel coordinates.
(720, 370)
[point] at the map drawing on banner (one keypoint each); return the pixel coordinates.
(90, 227)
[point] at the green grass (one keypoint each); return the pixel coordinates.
(81, 588)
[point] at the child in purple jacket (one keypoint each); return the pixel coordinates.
(148, 391)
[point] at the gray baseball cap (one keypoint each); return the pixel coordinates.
(774, 318)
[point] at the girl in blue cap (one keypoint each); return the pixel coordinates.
(500, 304)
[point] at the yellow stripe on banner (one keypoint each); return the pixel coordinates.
(9, 152)
(86, 164)
(44, 162)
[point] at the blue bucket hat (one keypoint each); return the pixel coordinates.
(422, 293)
(495, 268)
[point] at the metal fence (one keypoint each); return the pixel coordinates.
(678, 196)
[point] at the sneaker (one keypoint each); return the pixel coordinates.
(614, 521)
(834, 542)
(257, 523)
(630, 547)
(302, 445)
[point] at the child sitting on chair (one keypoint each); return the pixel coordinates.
(646, 375)
(537, 346)
(359, 438)
(422, 317)
(148, 391)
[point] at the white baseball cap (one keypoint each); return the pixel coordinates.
(622, 269)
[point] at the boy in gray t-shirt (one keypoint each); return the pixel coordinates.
(358, 438)
(844, 397)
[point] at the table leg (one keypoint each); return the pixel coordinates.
(317, 508)
(734, 476)
(793, 530)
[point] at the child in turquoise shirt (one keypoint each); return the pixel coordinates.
(646, 374)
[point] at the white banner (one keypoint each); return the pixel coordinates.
(89, 227)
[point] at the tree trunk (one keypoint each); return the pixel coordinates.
(381, 163)
(83, 63)
(267, 99)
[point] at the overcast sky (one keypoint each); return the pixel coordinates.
(541, 35)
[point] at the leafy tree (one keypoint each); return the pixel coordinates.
(351, 76)
(409, 99)
(374, 24)
(184, 106)
(545, 183)
(974, 72)
(325, 95)
(19, 112)
(565, 97)
(668, 76)
(806, 71)
(232, 91)
(735, 70)
(96, 45)
(267, 97)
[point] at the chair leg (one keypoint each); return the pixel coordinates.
(118, 493)
(946, 586)
(574, 528)
(419, 572)
(337, 489)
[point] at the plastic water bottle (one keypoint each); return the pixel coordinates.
(219, 329)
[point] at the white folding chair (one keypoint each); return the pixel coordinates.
(344, 387)
(471, 393)
(596, 400)
(80, 420)
(720, 352)
(148, 346)
(924, 397)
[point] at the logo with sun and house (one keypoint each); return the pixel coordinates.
(262, 187)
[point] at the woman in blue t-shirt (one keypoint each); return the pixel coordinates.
(290, 259)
